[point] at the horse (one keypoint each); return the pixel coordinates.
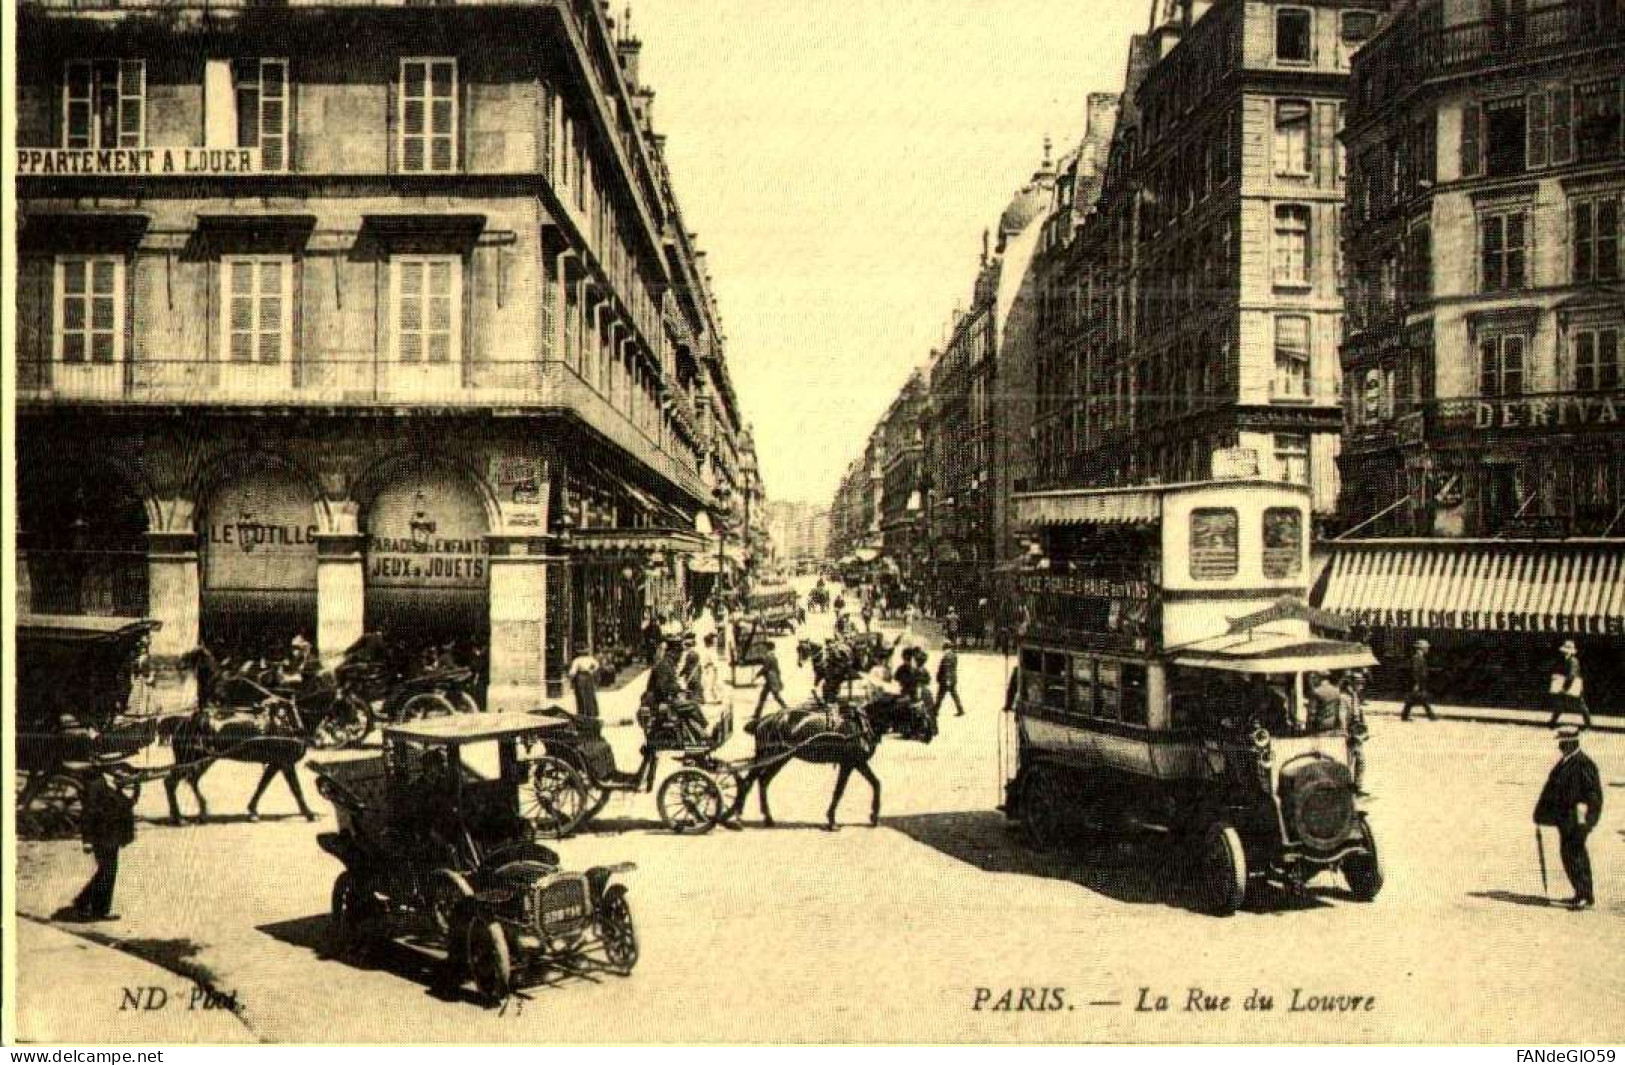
(842, 736)
(198, 742)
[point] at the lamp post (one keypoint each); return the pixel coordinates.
(568, 639)
(723, 494)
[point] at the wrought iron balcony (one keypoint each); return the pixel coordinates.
(351, 382)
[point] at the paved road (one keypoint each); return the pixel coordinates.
(889, 933)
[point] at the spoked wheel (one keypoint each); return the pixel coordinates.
(426, 704)
(348, 725)
(446, 890)
(464, 702)
(53, 808)
(1364, 871)
(1041, 809)
(489, 961)
(615, 929)
(690, 802)
(351, 921)
(728, 786)
(1221, 870)
(556, 801)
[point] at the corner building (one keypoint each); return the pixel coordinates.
(356, 316)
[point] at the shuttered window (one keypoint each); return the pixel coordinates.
(90, 309)
(257, 308)
(262, 109)
(428, 117)
(104, 103)
(427, 292)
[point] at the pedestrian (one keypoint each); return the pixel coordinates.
(948, 679)
(652, 637)
(106, 826)
(840, 602)
(708, 668)
(688, 669)
(1418, 695)
(1569, 687)
(950, 625)
(583, 671)
(1571, 802)
(1356, 732)
(868, 614)
(772, 683)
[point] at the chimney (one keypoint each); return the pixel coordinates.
(627, 49)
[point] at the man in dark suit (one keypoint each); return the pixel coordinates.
(948, 678)
(1418, 695)
(106, 826)
(1571, 802)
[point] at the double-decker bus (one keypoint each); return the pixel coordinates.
(1170, 679)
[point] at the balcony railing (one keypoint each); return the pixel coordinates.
(1427, 48)
(354, 383)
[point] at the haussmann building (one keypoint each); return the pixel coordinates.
(358, 316)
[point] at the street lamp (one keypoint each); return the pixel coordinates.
(723, 494)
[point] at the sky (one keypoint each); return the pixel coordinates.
(839, 161)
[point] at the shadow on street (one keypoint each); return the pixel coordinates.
(1135, 871)
(1514, 897)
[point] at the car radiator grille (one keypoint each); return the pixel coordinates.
(561, 906)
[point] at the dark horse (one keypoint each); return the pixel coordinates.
(199, 741)
(844, 737)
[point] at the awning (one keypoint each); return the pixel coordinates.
(87, 232)
(630, 540)
(1573, 587)
(1111, 506)
(424, 233)
(1265, 652)
(248, 234)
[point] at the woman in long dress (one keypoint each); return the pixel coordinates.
(584, 682)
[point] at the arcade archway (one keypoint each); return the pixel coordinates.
(83, 530)
(257, 541)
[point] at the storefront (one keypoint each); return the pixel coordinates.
(427, 564)
(82, 541)
(257, 543)
(1493, 611)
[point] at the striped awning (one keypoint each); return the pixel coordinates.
(1565, 587)
(1094, 507)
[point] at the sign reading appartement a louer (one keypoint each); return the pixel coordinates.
(142, 162)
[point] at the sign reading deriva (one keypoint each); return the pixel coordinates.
(145, 162)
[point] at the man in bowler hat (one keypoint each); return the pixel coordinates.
(1571, 802)
(1568, 686)
(106, 826)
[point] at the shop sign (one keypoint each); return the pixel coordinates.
(1576, 411)
(427, 533)
(1488, 621)
(260, 535)
(146, 162)
(521, 485)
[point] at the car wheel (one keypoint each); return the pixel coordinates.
(350, 923)
(425, 704)
(1221, 870)
(488, 960)
(446, 891)
(615, 929)
(1364, 871)
(464, 702)
(52, 810)
(1041, 809)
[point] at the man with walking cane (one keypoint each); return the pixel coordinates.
(1571, 802)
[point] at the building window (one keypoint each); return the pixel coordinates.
(1294, 35)
(1596, 359)
(1291, 356)
(1472, 140)
(257, 311)
(262, 109)
(1292, 144)
(428, 115)
(1502, 251)
(1596, 120)
(90, 309)
(1419, 264)
(1500, 365)
(427, 293)
(1355, 28)
(1506, 146)
(1596, 240)
(1291, 244)
(105, 103)
(1292, 457)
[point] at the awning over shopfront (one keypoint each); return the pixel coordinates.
(1572, 587)
(1104, 506)
(1263, 652)
(632, 540)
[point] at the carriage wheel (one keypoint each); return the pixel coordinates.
(464, 702)
(615, 929)
(690, 802)
(446, 890)
(425, 704)
(728, 785)
(556, 801)
(348, 724)
(1041, 809)
(53, 809)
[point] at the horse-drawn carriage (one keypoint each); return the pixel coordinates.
(774, 607)
(74, 678)
(578, 773)
(438, 839)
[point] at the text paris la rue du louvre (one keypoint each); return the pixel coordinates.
(1195, 1000)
